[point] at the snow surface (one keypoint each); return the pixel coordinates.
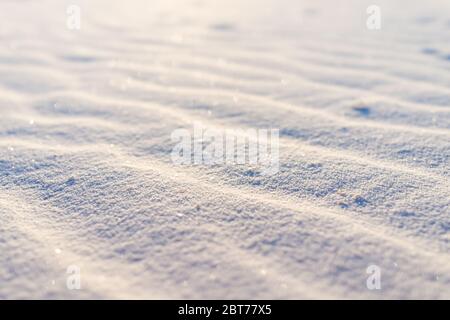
(86, 176)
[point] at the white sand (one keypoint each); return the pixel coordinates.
(86, 176)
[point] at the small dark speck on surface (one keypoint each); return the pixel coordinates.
(223, 27)
(79, 58)
(430, 51)
(70, 182)
(405, 214)
(343, 205)
(250, 173)
(360, 201)
(425, 19)
(364, 111)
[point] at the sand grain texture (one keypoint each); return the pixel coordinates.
(86, 176)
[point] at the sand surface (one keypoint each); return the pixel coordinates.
(87, 179)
